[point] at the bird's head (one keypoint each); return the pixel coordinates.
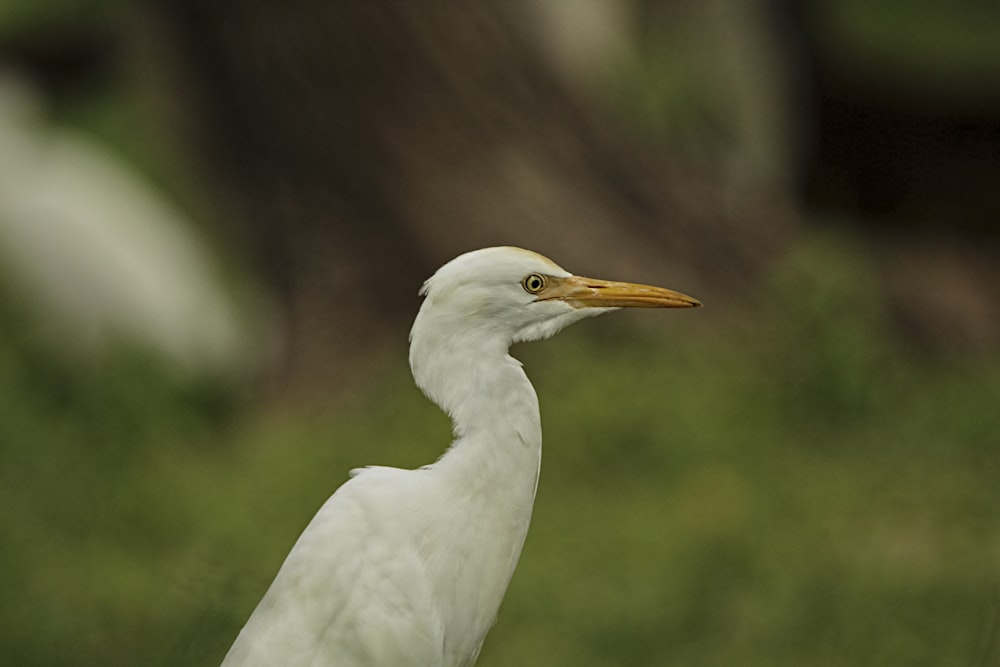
(510, 295)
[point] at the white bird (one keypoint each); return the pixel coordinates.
(101, 254)
(409, 567)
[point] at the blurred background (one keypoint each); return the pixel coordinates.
(214, 218)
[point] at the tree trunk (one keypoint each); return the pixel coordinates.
(362, 144)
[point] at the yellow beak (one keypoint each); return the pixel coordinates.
(581, 292)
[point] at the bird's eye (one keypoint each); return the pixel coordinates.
(533, 283)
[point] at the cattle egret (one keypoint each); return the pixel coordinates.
(408, 567)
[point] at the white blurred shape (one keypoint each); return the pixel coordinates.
(99, 251)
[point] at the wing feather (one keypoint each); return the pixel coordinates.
(353, 591)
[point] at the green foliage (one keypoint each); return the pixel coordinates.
(22, 20)
(944, 46)
(769, 485)
(668, 90)
(88, 518)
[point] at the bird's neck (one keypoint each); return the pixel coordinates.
(476, 381)
(488, 477)
(473, 378)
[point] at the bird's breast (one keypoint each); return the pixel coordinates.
(485, 525)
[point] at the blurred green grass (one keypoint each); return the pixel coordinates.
(773, 482)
